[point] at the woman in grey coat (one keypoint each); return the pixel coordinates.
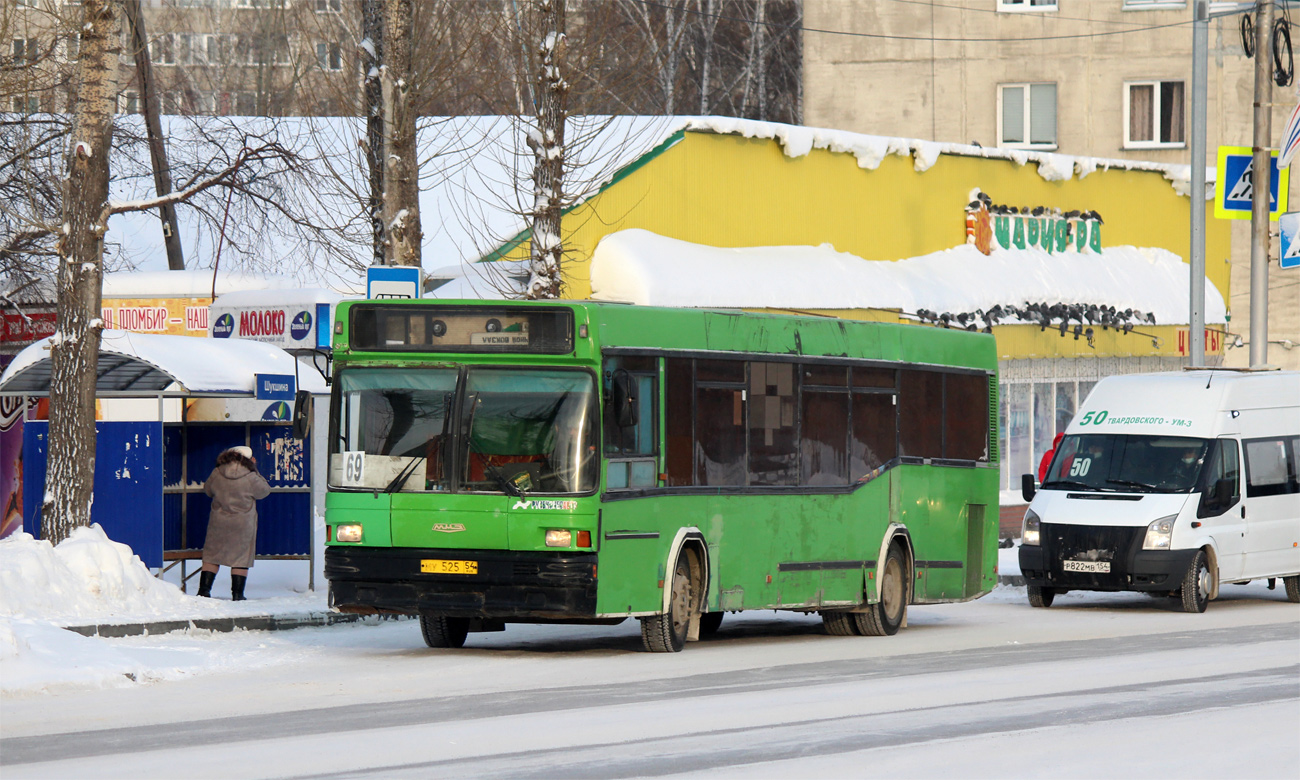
(235, 486)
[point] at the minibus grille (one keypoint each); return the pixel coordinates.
(1115, 544)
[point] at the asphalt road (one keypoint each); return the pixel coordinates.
(768, 694)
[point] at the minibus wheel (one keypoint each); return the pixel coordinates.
(442, 631)
(1197, 584)
(1292, 588)
(1040, 596)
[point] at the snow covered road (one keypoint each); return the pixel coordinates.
(1110, 685)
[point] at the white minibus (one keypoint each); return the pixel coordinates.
(1175, 484)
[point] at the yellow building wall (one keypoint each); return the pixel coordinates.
(731, 191)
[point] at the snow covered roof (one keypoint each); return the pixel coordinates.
(285, 298)
(637, 266)
(148, 364)
(188, 284)
(870, 150)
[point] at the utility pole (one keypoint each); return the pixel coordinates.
(162, 175)
(1196, 298)
(1260, 180)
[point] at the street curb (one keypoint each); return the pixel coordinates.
(227, 624)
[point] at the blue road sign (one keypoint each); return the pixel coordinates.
(394, 281)
(1289, 223)
(1235, 188)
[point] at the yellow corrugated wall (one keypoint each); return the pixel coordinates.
(727, 190)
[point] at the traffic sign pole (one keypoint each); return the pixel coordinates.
(1196, 296)
(1260, 194)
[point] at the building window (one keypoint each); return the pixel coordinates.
(1021, 6)
(128, 102)
(246, 103)
(162, 50)
(70, 47)
(25, 51)
(329, 6)
(25, 104)
(1153, 114)
(1027, 116)
(329, 56)
(1153, 5)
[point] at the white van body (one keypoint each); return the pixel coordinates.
(1171, 483)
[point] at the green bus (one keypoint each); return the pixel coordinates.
(583, 462)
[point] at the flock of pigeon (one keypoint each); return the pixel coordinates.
(999, 210)
(1057, 316)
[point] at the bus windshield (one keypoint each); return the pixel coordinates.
(520, 430)
(1115, 462)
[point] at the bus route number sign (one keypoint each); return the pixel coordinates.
(354, 466)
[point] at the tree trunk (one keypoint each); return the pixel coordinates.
(70, 481)
(547, 143)
(162, 175)
(402, 169)
(372, 12)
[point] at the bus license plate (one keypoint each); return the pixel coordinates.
(429, 566)
(1090, 567)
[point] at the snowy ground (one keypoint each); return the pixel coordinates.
(1098, 685)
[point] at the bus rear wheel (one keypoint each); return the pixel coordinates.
(886, 616)
(442, 631)
(666, 632)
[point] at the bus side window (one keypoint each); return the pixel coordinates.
(631, 448)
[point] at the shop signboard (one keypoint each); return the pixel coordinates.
(166, 316)
(300, 320)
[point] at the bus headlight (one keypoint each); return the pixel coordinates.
(1159, 533)
(348, 532)
(559, 537)
(1029, 531)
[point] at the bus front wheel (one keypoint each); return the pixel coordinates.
(442, 631)
(886, 616)
(666, 632)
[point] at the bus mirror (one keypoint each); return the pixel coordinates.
(624, 400)
(1027, 486)
(301, 414)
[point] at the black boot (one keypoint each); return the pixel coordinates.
(206, 579)
(237, 587)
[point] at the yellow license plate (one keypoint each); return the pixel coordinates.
(428, 566)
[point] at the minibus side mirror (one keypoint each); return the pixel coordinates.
(624, 400)
(1028, 487)
(301, 414)
(1219, 496)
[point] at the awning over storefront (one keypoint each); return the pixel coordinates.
(141, 364)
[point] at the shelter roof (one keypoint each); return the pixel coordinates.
(142, 364)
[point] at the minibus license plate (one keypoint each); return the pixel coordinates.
(1091, 567)
(429, 566)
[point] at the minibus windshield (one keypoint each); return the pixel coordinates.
(1127, 463)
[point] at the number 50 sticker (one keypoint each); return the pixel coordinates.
(354, 464)
(1097, 420)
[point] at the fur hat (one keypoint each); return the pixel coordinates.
(245, 452)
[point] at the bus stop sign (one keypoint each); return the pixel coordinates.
(1235, 184)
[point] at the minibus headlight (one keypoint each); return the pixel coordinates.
(559, 537)
(1159, 534)
(1029, 531)
(348, 532)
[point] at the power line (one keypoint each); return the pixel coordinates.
(882, 36)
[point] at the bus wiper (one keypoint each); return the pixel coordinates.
(400, 479)
(1131, 483)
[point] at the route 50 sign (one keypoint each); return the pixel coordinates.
(1235, 185)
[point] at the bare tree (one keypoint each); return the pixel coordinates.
(401, 165)
(546, 139)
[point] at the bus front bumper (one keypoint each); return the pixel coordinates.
(523, 585)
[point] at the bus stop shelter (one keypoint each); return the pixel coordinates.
(149, 474)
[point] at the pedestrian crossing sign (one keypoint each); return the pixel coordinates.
(1289, 227)
(1234, 184)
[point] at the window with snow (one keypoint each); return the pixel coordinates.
(1153, 114)
(1019, 6)
(1027, 116)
